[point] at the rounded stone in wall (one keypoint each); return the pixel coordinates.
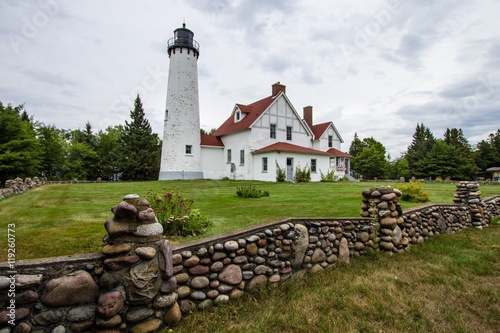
(173, 315)
(72, 289)
(110, 303)
(231, 275)
(200, 282)
(257, 282)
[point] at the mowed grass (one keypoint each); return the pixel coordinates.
(451, 283)
(54, 220)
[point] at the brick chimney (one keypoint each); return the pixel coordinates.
(308, 115)
(278, 87)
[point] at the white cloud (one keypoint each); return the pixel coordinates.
(376, 69)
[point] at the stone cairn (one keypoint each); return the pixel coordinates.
(381, 203)
(137, 285)
(468, 193)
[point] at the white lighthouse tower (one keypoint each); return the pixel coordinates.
(181, 150)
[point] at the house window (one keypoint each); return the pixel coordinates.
(264, 164)
(237, 116)
(313, 165)
(229, 156)
(330, 141)
(242, 157)
(332, 163)
(189, 149)
(289, 133)
(272, 133)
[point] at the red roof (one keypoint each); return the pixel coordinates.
(288, 147)
(319, 129)
(211, 140)
(338, 153)
(251, 111)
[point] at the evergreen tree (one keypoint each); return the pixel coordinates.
(19, 147)
(53, 149)
(356, 146)
(140, 147)
(456, 138)
(445, 161)
(423, 141)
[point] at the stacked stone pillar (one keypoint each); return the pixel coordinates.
(381, 203)
(468, 193)
(137, 286)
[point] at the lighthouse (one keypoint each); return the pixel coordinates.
(181, 149)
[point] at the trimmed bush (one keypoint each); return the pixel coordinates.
(413, 192)
(250, 191)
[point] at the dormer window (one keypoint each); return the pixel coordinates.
(237, 116)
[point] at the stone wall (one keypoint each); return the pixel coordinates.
(139, 283)
(18, 185)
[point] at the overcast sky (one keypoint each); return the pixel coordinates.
(372, 67)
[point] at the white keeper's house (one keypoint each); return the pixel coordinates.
(254, 141)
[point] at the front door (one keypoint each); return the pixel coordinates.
(289, 169)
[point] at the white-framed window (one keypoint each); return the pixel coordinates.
(229, 156)
(242, 157)
(313, 165)
(189, 149)
(330, 141)
(237, 116)
(289, 132)
(264, 164)
(332, 163)
(272, 131)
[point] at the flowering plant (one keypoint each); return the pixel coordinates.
(176, 215)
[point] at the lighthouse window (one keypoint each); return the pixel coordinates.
(189, 149)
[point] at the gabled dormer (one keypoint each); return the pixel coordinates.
(237, 114)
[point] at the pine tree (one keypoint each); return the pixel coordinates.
(423, 141)
(356, 146)
(140, 147)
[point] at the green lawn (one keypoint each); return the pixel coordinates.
(55, 220)
(448, 284)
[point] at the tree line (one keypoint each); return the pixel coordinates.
(450, 157)
(29, 148)
(131, 151)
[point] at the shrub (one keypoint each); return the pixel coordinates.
(176, 215)
(329, 177)
(413, 192)
(280, 173)
(250, 191)
(303, 175)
